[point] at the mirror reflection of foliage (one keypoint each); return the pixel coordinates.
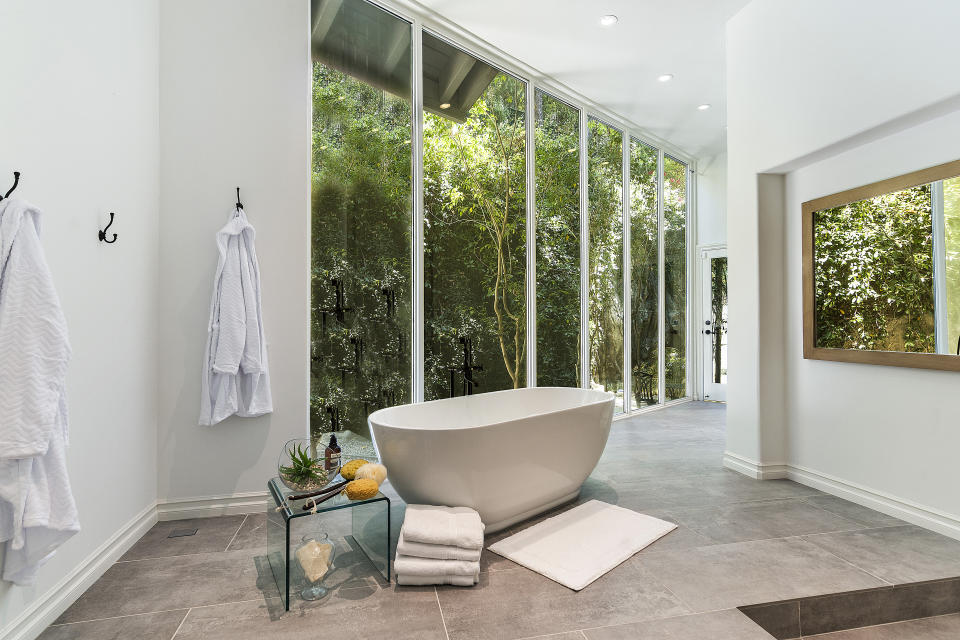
(557, 168)
(475, 240)
(951, 215)
(675, 276)
(873, 273)
(644, 279)
(718, 304)
(360, 234)
(605, 169)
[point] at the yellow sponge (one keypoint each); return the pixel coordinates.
(362, 489)
(349, 470)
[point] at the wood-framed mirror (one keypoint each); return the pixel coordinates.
(881, 272)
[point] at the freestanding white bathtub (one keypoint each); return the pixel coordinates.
(508, 454)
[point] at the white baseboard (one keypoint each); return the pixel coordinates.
(753, 468)
(48, 607)
(206, 507)
(920, 515)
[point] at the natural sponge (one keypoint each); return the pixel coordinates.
(349, 470)
(373, 471)
(362, 489)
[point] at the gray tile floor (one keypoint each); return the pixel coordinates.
(740, 541)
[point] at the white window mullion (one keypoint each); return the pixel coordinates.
(939, 269)
(661, 286)
(584, 256)
(531, 238)
(417, 315)
(627, 270)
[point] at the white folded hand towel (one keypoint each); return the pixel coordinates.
(439, 551)
(457, 581)
(452, 526)
(409, 567)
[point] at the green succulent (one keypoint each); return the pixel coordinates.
(303, 469)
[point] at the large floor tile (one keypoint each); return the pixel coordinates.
(163, 584)
(402, 613)
(896, 554)
(853, 511)
(760, 520)
(716, 625)
(941, 628)
(213, 534)
(252, 533)
(149, 626)
(518, 604)
(731, 575)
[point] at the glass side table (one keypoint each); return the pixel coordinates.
(370, 530)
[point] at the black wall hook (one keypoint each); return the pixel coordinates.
(103, 234)
(16, 181)
(239, 204)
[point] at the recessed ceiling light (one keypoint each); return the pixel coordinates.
(609, 20)
(667, 77)
(704, 107)
(445, 105)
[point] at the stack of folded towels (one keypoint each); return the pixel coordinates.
(439, 545)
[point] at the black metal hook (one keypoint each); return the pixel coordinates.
(103, 234)
(16, 181)
(239, 204)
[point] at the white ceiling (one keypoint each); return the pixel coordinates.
(617, 66)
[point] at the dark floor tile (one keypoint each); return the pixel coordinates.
(149, 626)
(518, 604)
(213, 534)
(404, 613)
(252, 533)
(163, 584)
(896, 554)
(940, 628)
(717, 625)
(780, 619)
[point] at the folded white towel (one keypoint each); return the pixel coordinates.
(452, 526)
(409, 566)
(457, 581)
(438, 551)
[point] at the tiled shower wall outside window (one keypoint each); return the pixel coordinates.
(477, 230)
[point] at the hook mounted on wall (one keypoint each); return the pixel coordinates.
(16, 181)
(103, 233)
(239, 204)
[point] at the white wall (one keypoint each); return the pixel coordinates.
(827, 84)
(235, 109)
(712, 201)
(79, 119)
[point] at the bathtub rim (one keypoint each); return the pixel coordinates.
(603, 397)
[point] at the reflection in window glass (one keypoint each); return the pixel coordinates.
(644, 278)
(605, 166)
(951, 216)
(557, 165)
(474, 224)
(873, 273)
(675, 277)
(718, 320)
(361, 217)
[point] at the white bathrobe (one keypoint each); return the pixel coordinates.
(37, 510)
(236, 379)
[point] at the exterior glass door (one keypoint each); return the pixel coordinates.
(714, 330)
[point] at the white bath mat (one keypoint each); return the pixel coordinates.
(580, 545)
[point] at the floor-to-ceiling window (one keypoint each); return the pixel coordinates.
(360, 272)
(474, 145)
(605, 189)
(557, 169)
(644, 274)
(675, 277)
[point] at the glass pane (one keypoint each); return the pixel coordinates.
(718, 320)
(605, 153)
(558, 242)
(951, 215)
(361, 216)
(873, 273)
(644, 278)
(675, 276)
(474, 224)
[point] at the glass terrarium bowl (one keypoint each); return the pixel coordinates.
(302, 465)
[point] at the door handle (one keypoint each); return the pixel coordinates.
(706, 331)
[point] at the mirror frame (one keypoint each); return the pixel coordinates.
(938, 361)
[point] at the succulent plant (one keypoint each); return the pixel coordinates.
(303, 470)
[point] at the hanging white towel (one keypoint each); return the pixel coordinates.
(453, 526)
(236, 378)
(37, 509)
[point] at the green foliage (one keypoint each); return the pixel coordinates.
(718, 301)
(675, 276)
(303, 469)
(951, 214)
(873, 273)
(644, 283)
